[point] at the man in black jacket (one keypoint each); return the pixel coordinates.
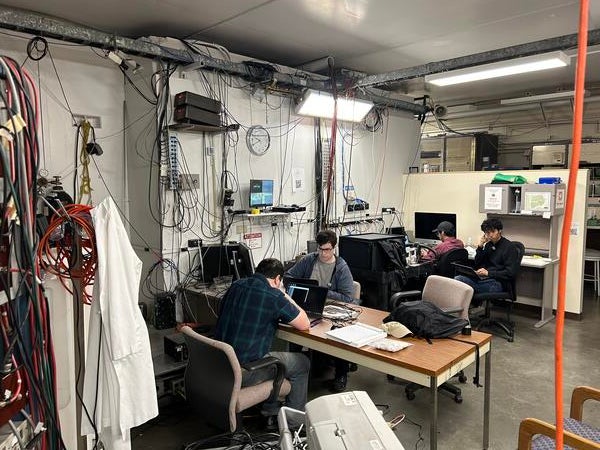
(496, 260)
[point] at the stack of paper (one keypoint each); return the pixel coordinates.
(356, 335)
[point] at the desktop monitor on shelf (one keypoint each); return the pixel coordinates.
(425, 222)
(261, 193)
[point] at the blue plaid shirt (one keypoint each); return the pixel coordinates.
(250, 312)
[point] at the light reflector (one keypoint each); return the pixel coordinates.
(500, 69)
(320, 104)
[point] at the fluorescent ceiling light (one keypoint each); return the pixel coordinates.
(540, 98)
(500, 69)
(320, 104)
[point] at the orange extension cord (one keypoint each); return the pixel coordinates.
(565, 234)
(56, 255)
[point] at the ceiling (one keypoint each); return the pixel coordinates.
(370, 36)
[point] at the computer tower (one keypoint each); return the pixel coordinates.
(363, 251)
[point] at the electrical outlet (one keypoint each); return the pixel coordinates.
(210, 151)
(190, 181)
(389, 210)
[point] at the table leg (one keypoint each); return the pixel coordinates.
(486, 398)
(434, 414)
(547, 296)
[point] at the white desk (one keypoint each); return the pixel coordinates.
(549, 267)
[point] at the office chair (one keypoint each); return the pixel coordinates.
(213, 380)
(505, 299)
(535, 434)
(444, 266)
(449, 295)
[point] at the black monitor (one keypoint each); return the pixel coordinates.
(233, 259)
(425, 222)
(261, 193)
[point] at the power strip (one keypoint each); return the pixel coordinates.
(8, 441)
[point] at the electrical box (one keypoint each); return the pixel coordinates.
(494, 198)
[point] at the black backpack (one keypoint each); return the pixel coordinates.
(426, 320)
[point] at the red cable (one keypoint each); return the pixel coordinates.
(565, 233)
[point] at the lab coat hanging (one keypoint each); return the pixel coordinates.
(119, 376)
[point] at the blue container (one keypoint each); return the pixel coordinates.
(549, 180)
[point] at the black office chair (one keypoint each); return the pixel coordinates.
(504, 299)
(444, 266)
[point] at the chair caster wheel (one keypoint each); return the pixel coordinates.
(458, 399)
(410, 395)
(462, 379)
(511, 339)
(390, 377)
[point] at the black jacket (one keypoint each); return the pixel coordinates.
(500, 259)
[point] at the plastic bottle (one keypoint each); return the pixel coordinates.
(469, 241)
(517, 200)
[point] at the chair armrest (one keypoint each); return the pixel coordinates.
(262, 363)
(530, 427)
(400, 297)
(266, 362)
(580, 395)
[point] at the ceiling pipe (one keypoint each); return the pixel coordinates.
(531, 48)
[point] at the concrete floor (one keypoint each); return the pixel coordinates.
(522, 386)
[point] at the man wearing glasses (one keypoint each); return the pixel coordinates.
(496, 260)
(332, 272)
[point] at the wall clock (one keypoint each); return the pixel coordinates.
(258, 140)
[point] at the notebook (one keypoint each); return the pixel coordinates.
(310, 298)
(468, 271)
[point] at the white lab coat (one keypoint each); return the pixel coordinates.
(118, 339)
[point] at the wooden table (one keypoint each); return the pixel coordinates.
(429, 365)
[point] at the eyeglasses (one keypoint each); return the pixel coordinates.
(328, 249)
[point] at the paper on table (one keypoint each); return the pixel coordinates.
(357, 334)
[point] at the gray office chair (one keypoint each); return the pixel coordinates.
(449, 295)
(213, 381)
(504, 299)
(535, 434)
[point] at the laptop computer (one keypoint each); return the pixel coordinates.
(287, 280)
(310, 298)
(468, 271)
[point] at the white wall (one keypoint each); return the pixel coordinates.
(458, 193)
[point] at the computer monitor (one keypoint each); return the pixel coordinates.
(261, 193)
(233, 260)
(425, 222)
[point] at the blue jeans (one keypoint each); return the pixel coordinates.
(481, 286)
(297, 367)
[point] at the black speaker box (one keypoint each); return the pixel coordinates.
(164, 311)
(362, 251)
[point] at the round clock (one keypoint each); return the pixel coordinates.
(258, 140)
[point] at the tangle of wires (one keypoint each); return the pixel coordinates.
(27, 349)
(68, 248)
(238, 440)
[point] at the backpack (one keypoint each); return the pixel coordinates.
(425, 319)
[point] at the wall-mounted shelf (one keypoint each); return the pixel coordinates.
(195, 128)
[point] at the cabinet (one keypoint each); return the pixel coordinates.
(459, 153)
(527, 199)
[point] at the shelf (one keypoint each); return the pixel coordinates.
(271, 214)
(195, 128)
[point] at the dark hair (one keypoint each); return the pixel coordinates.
(491, 225)
(326, 236)
(270, 268)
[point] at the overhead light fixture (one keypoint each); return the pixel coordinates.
(500, 69)
(540, 98)
(321, 104)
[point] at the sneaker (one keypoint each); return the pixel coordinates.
(271, 424)
(339, 383)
